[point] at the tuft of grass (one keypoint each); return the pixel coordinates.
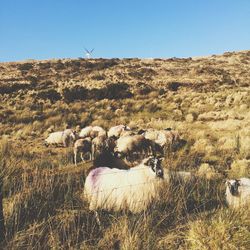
(222, 229)
(239, 168)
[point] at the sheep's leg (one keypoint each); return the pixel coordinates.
(90, 156)
(98, 219)
(165, 150)
(151, 150)
(82, 157)
(140, 154)
(75, 156)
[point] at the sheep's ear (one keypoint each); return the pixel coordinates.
(168, 129)
(228, 183)
(148, 161)
(141, 131)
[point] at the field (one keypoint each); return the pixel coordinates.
(206, 99)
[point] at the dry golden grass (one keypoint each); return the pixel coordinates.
(206, 99)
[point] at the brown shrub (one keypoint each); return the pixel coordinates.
(50, 94)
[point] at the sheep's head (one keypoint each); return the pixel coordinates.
(110, 143)
(73, 135)
(155, 165)
(233, 186)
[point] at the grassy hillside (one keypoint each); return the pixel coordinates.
(206, 99)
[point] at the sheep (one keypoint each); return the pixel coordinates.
(82, 146)
(238, 192)
(91, 131)
(117, 130)
(133, 189)
(107, 158)
(101, 144)
(98, 144)
(127, 146)
(85, 132)
(166, 138)
(126, 133)
(61, 138)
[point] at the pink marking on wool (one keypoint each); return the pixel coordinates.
(95, 175)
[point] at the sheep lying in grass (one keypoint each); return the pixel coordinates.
(238, 192)
(82, 146)
(116, 189)
(61, 138)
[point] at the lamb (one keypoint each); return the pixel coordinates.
(133, 189)
(61, 138)
(238, 192)
(117, 130)
(82, 146)
(127, 146)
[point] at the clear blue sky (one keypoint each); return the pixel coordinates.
(43, 29)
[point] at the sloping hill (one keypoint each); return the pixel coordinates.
(206, 99)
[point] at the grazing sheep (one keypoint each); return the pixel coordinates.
(115, 189)
(238, 192)
(166, 138)
(92, 131)
(117, 130)
(82, 146)
(61, 138)
(98, 145)
(85, 132)
(127, 146)
(101, 144)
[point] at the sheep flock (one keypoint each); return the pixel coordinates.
(127, 170)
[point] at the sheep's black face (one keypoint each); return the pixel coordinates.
(233, 187)
(155, 164)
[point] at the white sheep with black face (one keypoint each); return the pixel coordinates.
(133, 189)
(238, 192)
